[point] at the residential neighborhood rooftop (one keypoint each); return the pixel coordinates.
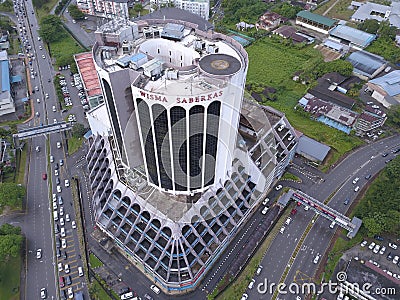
(316, 18)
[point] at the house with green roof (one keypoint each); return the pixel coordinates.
(315, 22)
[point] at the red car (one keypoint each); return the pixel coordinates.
(44, 176)
(61, 282)
(294, 211)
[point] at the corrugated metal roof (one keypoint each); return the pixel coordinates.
(365, 62)
(5, 76)
(333, 45)
(316, 18)
(310, 147)
(389, 82)
(355, 36)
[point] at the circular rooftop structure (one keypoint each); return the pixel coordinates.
(220, 64)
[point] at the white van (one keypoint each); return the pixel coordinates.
(55, 216)
(80, 271)
(155, 289)
(332, 224)
(127, 296)
(63, 232)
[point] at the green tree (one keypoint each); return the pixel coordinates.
(369, 25)
(75, 12)
(50, 28)
(138, 7)
(6, 229)
(287, 10)
(11, 194)
(10, 241)
(78, 130)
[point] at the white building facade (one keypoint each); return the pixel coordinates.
(198, 7)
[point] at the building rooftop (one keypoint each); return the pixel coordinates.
(390, 83)
(312, 148)
(366, 63)
(355, 36)
(88, 73)
(316, 18)
(324, 92)
(178, 14)
(378, 12)
(5, 76)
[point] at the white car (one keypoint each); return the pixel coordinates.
(56, 173)
(316, 259)
(63, 234)
(382, 251)
(356, 180)
(61, 210)
(55, 206)
(357, 188)
(80, 271)
(265, 201)
(44, 57)
(288, 221)
(62, 223)
(70, 293)
(282, 230)
(396, 259)
(39, 253)
(58, 145)
(60, 267)
(244, 297)
(278, 187)
(251, 284)
(73, 223)
(371, 246)
(155, 289)
(51, 158)
(54, 198)
(58, 189)
(264, 211)
(43, 293)
(306, 207)
(66, 182)
(64, 245)
(376, 249)
(393, 246)
(38, 100)
(364, 243)
(46, 96)
(67, 218)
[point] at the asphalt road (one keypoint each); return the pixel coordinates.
(364, 161)
(37, 222)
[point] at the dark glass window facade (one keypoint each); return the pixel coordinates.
(196, 135)
(179, 147)
(147, 136)
(114, 118)
(213, 117)
(162, 145)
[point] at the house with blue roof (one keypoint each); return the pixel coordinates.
(7, 104)
(386, 89)
(356, 39)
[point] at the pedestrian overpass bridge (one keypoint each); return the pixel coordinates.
(352, 226)
(43, 129)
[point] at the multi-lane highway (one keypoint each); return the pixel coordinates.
(37, 225)
(365, 161)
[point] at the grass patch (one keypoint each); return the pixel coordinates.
(98, 290)
(21, 161)
(290, 176)
(341, 245)
(94, 261)
(10, 278)
(273, 64)
(44, 9)
(64, 49)
(74, 144)
(339, 11)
